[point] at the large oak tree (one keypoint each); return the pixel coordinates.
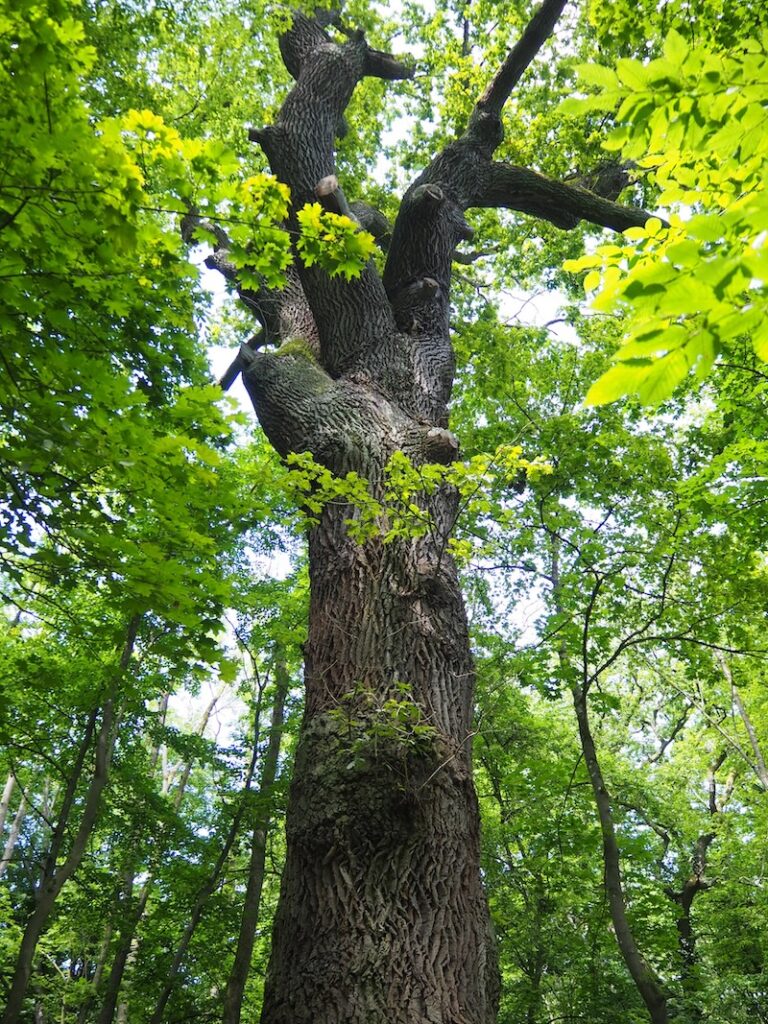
(382, 916)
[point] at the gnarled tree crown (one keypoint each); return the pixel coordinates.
(383, 339)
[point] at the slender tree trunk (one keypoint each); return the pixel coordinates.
(760, 765)
(641, 971)
(129, 922)
(233, 997)
(5, 799)
(534, 963)
(53, 877)
(13, 834)
(205, 892)
(694, 883)
(692, 886)
(101, 961)
(761, 770)
(537, 957)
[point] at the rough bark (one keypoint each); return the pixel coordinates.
(235, 990)
(54, 875)
(382, 916)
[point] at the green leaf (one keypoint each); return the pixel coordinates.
(619, 381)
(675, 48)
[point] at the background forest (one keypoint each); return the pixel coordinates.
(153, 571)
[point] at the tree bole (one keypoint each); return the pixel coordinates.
(382, 917)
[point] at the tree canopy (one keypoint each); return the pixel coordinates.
(604, 471)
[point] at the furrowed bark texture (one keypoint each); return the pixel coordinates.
(382, 918)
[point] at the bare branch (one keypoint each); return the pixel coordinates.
(237, 365)
(518, 188)
(303, 37)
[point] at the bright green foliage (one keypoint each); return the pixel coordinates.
(628, 549)
(695, 120)
(627, 564)
(334, 242)
(112, 438)
(403, 510)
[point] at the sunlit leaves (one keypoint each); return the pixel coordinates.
(402, 510)
(111, 438)
(333, 242)
(694, 120)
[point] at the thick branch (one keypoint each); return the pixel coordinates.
(302, 39)
(465, 175)
(352, 317)
(282, 312)
(344, 424)
(237, 365)
(288, 392)
(518, 188)
(263, 304)
(372, 220)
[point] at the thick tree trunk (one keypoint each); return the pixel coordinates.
(382, 916)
